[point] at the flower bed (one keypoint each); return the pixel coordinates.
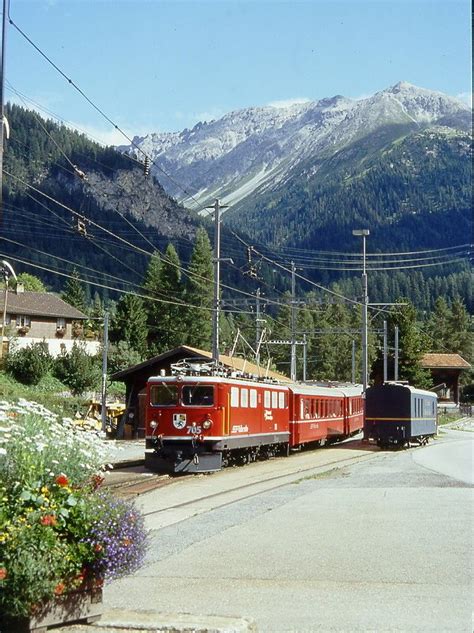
(59, 531)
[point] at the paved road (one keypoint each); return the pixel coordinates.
(381, 545)
(455, 459)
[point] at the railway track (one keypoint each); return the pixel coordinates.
(248, 490)
(166, 500)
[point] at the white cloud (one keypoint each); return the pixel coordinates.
(288, 103)
(209, 115)
(466, 97)
(107, 135)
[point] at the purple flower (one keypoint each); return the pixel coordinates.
(117, 538)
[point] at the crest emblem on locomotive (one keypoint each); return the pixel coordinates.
(179, 420)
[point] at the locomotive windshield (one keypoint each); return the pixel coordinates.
(163, 394)
(197, 395)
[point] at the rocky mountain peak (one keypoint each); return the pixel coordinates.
(256, 148)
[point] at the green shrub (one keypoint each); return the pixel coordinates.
(79, 371)
(30, 364)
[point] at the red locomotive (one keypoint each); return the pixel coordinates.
(200, 423)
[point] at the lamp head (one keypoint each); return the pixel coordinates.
(8, 269)
(361, 232)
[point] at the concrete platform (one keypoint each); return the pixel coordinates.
(125, 621)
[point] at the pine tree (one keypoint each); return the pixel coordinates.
(166, 317)
(438, 325)
(413, 344)
(74, 292)
(199, 293)
(152, 307)
(129, 324)
(460, 335)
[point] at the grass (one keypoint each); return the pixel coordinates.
(51, 393)
(448, 418)
(326, 474)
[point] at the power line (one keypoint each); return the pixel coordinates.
(101, 112)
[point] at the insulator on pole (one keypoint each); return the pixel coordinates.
(146, 166)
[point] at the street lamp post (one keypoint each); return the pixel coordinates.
(364, 233)
(7, 270)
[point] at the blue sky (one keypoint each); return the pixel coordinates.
(153, 65)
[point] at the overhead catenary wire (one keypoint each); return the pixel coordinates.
(122, 240)
(102, 113)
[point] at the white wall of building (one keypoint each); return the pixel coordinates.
(55, 346)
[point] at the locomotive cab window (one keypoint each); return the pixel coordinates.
(163, 395)
(197, 396)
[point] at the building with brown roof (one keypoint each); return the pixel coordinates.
(445, 371)
(32, 317)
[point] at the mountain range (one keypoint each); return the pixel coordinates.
(258, 150)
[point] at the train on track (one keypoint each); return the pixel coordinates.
(397, 414)
(200, 420)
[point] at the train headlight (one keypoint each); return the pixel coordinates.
(207, 424)
(153, 424)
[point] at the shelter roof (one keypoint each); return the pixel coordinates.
(444, 361)
(233, 362)
(45, 304)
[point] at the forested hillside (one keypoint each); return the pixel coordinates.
(61, 188)
(413, 190)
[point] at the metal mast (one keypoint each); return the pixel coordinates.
(364, 233)
(293, 323)
(6, 4)
(217, 271)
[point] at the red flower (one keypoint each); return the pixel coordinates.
(3, 573)
(98, 547)
(59, 589)
(48, 519)
(62, 480)
(97, 481)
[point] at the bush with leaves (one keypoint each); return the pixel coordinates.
(58, 533)
(78, 370)
(29, 364)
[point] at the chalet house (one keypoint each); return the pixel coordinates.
(445, 370)
(32, 317)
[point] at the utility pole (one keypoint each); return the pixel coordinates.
(395, 369)
(6, 7)
(364, 233)
(105, 348)
(257, 326)
(353, 361)
(305, 356)
(217, 271)
(385, 352)
(293, 323)
(7, 271)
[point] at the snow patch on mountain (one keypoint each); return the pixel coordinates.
(258, 147)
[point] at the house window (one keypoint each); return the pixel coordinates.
(61, 323)
(8, 319)
(23, 321)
